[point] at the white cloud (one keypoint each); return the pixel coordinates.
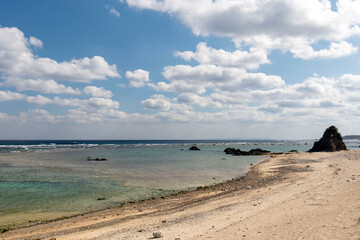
(273, 21)
(4, 117)
(350, 82)
(40, 85)
(185, 78)
(317, 99)
(35, 42)
(95, 103)
(39, 100)
(138, 78)
(157, 102)
(18, 63)
(97, 92)
(113, 11)
(205, 102)
(336, 50)
(9, 96)
(91, 104)
(178, 87)
(38, 115)
(207, 55)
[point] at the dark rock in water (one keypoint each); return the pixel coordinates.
(238, 152)
(258, 151)
(331, 141)
(194, 148)
(100, 199)
(96, 159)
(293, 151)
(230, 150)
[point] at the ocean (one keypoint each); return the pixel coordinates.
(42, 180)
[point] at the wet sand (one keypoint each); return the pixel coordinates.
(294, 196)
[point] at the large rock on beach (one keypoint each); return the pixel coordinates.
(331, 141)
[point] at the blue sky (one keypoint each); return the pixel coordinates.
(137, 69)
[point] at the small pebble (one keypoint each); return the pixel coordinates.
(157, 234)
(248, 187)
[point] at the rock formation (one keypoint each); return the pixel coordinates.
(331, 141)
(194, 148)
(238, 152)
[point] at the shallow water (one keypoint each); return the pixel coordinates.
(48, 182)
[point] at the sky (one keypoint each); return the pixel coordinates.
(169, 69)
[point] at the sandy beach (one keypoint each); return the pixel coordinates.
(293, 196)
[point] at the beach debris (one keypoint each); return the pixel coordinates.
(194, 148)
(238, 152)
(331, 141)
(157, 234)
(164, 221)
(141, 230)
(293, 151)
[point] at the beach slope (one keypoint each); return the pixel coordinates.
(293, 196)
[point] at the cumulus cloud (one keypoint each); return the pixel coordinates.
(336, 50)
(138, 78)
(317, 98)
(350, 81)
(39, 100)
(97, 92)
(9, 96)
(284, 21)
(157, 102)
(87, 110)
(35, 42)
(186, 78)
(40, 85)
(38, 115)
(91, 104)
(19, 66)
(245, 59)
(202, 101)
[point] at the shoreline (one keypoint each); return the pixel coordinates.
(260, 181)
(189, 190)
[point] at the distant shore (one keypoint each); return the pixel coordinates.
(299, 195)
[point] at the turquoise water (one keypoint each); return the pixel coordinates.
(62, 181)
